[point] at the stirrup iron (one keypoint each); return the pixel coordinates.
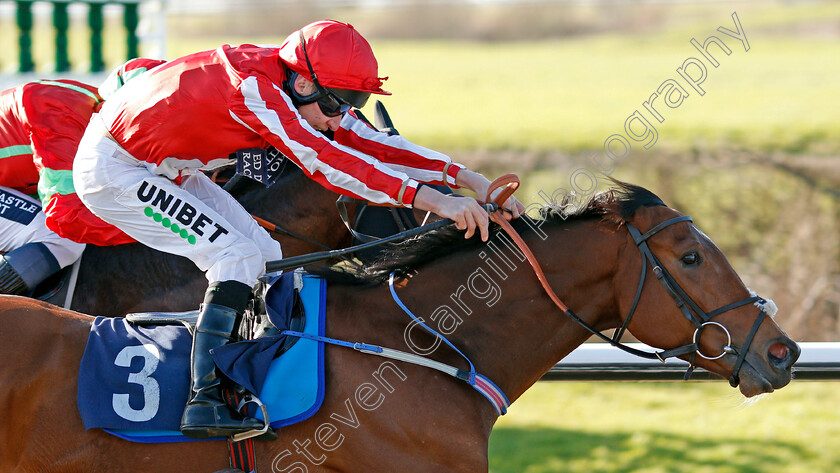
(248, 399)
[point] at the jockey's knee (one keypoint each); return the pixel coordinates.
(242, 262)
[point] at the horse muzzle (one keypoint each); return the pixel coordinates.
(767, 369)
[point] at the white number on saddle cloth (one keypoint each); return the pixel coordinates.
(151, 389)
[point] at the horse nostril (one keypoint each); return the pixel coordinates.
(779, 351)
(782, 355)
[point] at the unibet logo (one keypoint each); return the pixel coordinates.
(177, 215)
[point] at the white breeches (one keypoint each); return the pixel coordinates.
(196, 219)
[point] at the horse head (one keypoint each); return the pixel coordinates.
(692, 297)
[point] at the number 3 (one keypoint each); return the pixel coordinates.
(151, 388)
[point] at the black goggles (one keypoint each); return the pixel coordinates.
(331, 101)
(331, 105)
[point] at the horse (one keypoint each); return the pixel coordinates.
(386, 415)
(116, 280)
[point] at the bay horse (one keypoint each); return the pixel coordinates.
(384, 415)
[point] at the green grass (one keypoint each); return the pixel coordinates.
(667, 427)
(572, 94)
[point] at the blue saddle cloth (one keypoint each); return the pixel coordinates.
(134, 380)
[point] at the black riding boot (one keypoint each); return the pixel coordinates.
(206, 414)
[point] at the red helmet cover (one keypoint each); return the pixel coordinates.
(339, 55)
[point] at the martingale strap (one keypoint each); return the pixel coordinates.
(479, 382)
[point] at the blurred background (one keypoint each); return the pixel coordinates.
(536, 88)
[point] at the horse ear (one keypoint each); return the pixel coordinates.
(383, 120)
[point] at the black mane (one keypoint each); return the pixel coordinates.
(616, 205)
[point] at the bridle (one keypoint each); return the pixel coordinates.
(690, 309)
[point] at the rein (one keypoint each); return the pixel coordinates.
(690, 309)
(303, 260)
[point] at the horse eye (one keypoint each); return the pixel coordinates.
(691, 258)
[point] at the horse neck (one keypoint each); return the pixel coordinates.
(511, 329)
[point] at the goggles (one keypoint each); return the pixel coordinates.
(331, 107)
(329, 101)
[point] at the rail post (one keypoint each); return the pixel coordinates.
(61, 24)
(24, 23)
(96, 23)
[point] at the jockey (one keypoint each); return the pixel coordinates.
(41, 124)
(124, 73)
(139, 167)
(33, 252)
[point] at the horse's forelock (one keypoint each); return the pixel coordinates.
(631, 197)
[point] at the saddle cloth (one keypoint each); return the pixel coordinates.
(134, 380)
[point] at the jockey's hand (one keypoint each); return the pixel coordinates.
(511, 208)
(464, 211)
(467, 214)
